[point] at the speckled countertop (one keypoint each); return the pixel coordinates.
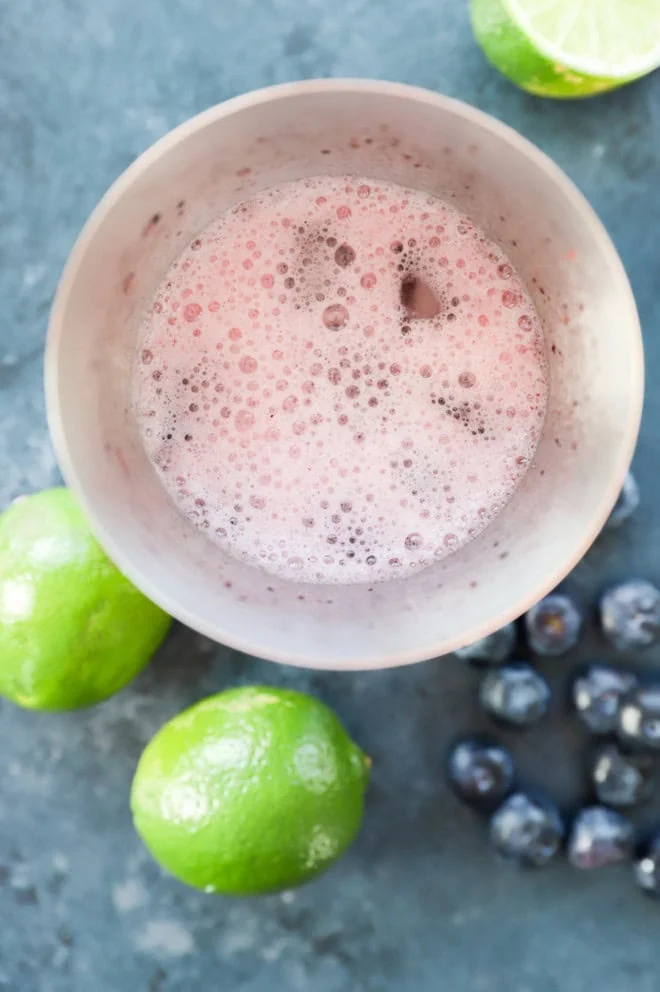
(418, 905)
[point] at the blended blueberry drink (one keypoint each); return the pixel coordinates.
(341, 380)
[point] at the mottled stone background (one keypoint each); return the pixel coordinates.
(418, 905)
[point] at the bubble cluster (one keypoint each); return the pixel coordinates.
(335, 384)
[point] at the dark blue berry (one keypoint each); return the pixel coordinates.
(481, 772)
(626, 504)
(491, 650)
(526, 831)
(647, 870)
(597, 696)
(553, 625)
(639, 718)
(630, 614)
(515, 694)
(620, 779)
(600, 837)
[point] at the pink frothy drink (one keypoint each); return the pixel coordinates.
(341, 380)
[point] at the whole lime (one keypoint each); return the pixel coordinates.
(250, 791)
(73, 629)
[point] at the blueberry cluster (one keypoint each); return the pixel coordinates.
(621, 712)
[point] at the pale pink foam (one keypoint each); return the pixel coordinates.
(306, 419)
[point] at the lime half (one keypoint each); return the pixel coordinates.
(569, 48)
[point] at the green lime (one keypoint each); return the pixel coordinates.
(250, 791)
(73, 630)
(569, 48)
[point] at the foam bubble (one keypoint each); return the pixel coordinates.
(335, 316)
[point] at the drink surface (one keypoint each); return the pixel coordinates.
(341, 380)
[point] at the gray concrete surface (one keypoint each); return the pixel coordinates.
(418, 905)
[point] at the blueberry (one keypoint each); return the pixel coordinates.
(597, 696)
(600, 837)
(553, 625)
(639, 718)
(647, 869)
(515, 694)
(526, 831)
(626, 504)
(620, 779)
(630, 614)
(490, 650)
(481, 772)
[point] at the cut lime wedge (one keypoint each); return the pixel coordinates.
(569, 48)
